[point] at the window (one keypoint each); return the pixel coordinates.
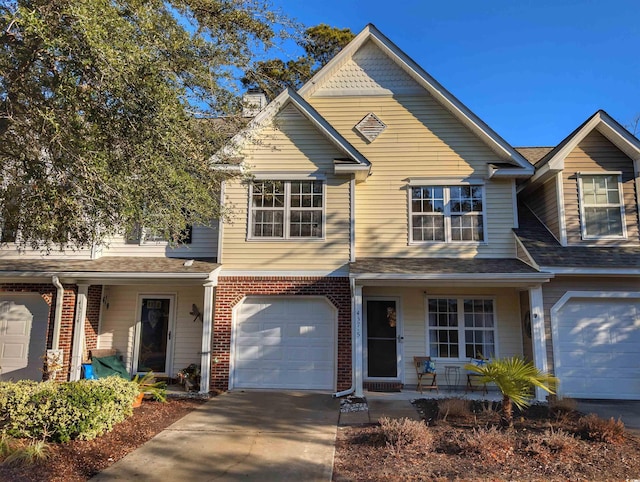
(447, 214)
(601, 206)
(286, 209)
(140, 235)
(461, 327)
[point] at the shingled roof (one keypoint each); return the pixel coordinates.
(534, 154)
(439, 266)
(547, 251)
(126, 266)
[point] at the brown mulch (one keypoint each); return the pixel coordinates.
(528, 452)
(80, 460)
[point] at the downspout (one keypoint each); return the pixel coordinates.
(57, 317)
(350, 390)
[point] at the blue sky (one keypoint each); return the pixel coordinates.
(532, 69)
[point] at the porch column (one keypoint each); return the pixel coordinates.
(357, 340)
(78, 333)
(207, 325)
(538, 334)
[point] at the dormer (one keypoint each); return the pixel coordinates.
(585, 190)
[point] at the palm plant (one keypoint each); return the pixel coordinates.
(515, 378)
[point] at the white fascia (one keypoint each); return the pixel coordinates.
(538, 277)
(592, 271)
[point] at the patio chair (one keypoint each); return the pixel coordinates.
(425, 369)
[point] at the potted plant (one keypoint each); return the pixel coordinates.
(147, 385)
(189, 377)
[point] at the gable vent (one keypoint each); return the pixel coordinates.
(370, 127)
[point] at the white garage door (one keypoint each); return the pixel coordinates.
(597, 348)
(23, 336)
(284, 343)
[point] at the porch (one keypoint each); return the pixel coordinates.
(452, 310)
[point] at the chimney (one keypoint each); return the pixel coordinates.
(253, 101)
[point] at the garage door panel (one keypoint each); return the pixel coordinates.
(597, 348)
(284, 343)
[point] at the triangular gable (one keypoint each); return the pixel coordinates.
(355, 162)
(620, 137)
(505, 152)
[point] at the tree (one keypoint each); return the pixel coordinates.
(101, 112)
(515, 379)
(320, 44)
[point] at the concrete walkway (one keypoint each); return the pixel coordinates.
(249, 436)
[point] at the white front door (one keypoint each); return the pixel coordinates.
(383, 335)
(597, 348)
(154, 334)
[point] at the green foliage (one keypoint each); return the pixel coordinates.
(102, 108)
(34, 451)
(149, 386)
(6, 444)
(515, 378)
(64, 411)
(320, 44)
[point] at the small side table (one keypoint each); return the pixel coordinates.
(449, 372)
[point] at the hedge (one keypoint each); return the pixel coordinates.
(61, 412)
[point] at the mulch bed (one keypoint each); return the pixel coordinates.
(80, 460)
(530, 451)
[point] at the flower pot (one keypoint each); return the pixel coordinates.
(138, 401)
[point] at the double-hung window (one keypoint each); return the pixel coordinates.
(286, 209)
(447, 214)
(461, 327)
(601, 207)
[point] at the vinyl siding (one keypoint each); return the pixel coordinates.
(291, 146)
(557, 287)
(117, 328)
(413, 323)
(544, 204)
(204, 245)
(594, 154)
(422, 139)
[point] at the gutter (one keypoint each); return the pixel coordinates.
(57, 319)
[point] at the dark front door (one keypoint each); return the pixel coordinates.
(382, 339)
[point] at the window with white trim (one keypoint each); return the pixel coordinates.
(447, 214)
(286, 209)
(601, 207)
(461, 327)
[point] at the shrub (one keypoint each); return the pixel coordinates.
(560, 405)
(592, 427)
(404, 432)
(64, 411)
(487, 443)
(559, 441)
(31, 453)
(454, 407)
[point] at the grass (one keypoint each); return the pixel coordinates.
(35, 451)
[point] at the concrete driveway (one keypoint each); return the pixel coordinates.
(626, 410)
(249, 436)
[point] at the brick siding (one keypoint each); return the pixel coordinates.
(231, 290)
(91, 326)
